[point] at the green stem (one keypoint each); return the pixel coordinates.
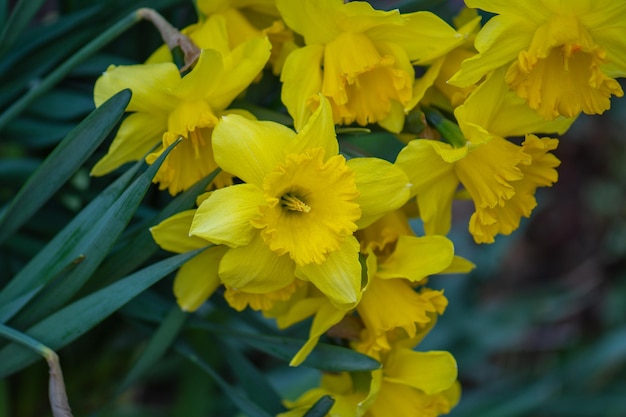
(57, 75)
(448, 129)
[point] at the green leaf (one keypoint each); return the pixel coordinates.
(253, 381)
(321, 407)
(66, 158)
(138, 246)
(57, 255)
(160, 341)
(325, 357)
(19, 18)
(67, 324)
(93, 247)
(242, 402)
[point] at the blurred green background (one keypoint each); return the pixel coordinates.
(538, 329)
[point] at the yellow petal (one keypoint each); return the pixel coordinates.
(431, 372)
(417, 257)
(436, 37)
(172, 234)
(313, 19)
(137, 135)
(534, 11)
(433, 181)
(511, 36)
(202, 80)
(302, 81)
(197, 279)
(150, 84)
(241, 67)
(327, 316)
(319, 131)
(383, 186)
(459, 265)
(224, 217)
(339, 277)
(250, 149)
(269, 272)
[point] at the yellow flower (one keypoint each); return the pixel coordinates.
(500, 177)
(561, 57)
(412, 384)
(298, 207)
(166, 107)
(359, 58)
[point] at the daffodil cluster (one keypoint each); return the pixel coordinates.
(299, 228)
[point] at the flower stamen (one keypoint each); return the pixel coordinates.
(293, 203)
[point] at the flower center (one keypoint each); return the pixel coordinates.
(310, 206)
(291, 201)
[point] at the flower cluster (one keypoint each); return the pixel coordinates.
(299, 227)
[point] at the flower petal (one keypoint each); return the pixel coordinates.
(197, 279)
(269, 272)
(433, 181)
(241, 67)
(150, 84)
(319, 131)
(436, 37)
(382, 186)
(250, 149)
(510, 35)
(313, 19)
(137, 135)
(431, 372)
(302, 81)
(172, 234)
(224, 217)
(203, 78)
(415, 258)
(327, 316)
(339, 277)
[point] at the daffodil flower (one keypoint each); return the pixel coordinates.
(500, 176)
(295, 214)
(359, 58)
(166, 106)
(562, 57)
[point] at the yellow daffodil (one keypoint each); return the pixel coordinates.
(298, 207)
(409, 384)
(561, 57)
(359, 58)
(500, 177)
(166, 106)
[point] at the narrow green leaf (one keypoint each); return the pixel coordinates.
(67, 324)
(326, 357)
(19, 18)
(37, 133)
(46, 36)
(93, 246)
(136, 248)
(321, 407)
(242, 402)
(57, 254)
(160, 341)
(253, 381)
(66, 158)
(62, 70)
